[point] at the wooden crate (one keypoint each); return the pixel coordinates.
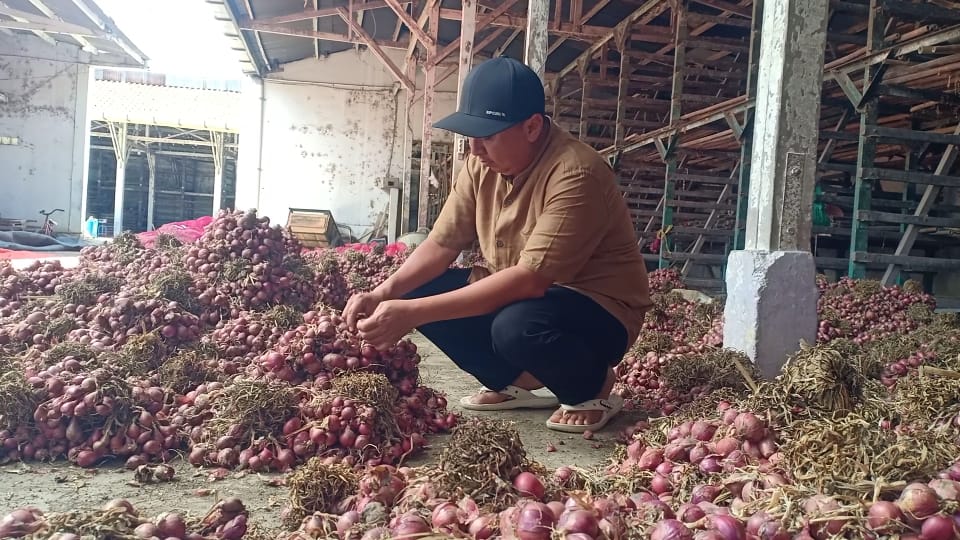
(313, 228)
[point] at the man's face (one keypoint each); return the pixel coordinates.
(510, 151)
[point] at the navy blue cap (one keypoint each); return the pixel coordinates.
(497, 94)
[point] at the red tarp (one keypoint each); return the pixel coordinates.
(185, 231)
(10, 254)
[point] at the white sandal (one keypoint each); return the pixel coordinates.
(519, 399)
(610, 407)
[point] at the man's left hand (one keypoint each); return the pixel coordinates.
(388, 324)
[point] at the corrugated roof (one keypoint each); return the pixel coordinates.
(78, 22)
(272, 48)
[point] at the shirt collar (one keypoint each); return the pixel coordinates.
(542, 145)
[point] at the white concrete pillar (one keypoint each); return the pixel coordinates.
(151, 188)
(121, 148)
(218, 164)
(537, 39)
(771, 291)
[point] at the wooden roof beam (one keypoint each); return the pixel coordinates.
(650, 9)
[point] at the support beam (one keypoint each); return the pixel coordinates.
(406, 196)
(247, 24)
(319, 13)
(537, 38)
(867, 151)
(109, 32)
(377, 51)
(509, 41)
(623, 89)
(412, 44)
(22, 19)
(746, 137)
(447, 50)
(415, 29)
(647, 8)
(468, 27)
(771, 289)
(599, 5)
(682, 30)
(426, 141)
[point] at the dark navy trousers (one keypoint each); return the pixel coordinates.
(564, 339)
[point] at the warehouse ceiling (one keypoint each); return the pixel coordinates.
(76, 22)
(276, 32)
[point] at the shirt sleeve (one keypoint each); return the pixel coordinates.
(456, 226)
(573, 222)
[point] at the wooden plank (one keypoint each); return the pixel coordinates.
(325, 12)
(920, 264)
(705, 284)
(701, 231)
(913, 177)
(898, 135)
(726, 6)
(923, 221)
(648, 7)
(927, 200)
(376, 50)
(704, 179)
(416, 29)
(708, 258)
(482, 22)
(923, 11)
(705, 205)
(711, 220)
(657, 213)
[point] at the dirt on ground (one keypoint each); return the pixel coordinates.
(59, 486)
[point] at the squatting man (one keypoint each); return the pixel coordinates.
(563, 290)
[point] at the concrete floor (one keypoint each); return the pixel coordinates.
(61, 487)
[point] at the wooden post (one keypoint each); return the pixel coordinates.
(584, 97)
(623, 87)
(426, 141)
(867, 152)
(746, 139)
(406, 154)
(537, 38)
(468, 27)
(676, 94)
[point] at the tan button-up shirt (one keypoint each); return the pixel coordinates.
(563, 217)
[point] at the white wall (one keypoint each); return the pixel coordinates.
(323, 133)
(43, 105)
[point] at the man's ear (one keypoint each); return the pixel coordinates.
(534, 126)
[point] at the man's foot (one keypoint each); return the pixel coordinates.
(518, 395)
(586, 417)
(489, 397)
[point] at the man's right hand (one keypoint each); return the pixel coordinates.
(359, 306)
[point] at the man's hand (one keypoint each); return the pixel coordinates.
(359, 306)
(388, 324)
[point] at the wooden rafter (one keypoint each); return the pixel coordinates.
(326, 12)
(415, 29)
(376, 49)
(482, 23)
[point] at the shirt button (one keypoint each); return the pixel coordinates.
(499, 243)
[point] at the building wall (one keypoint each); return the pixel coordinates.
(188, 108)
(324, 133)
(43, 101)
